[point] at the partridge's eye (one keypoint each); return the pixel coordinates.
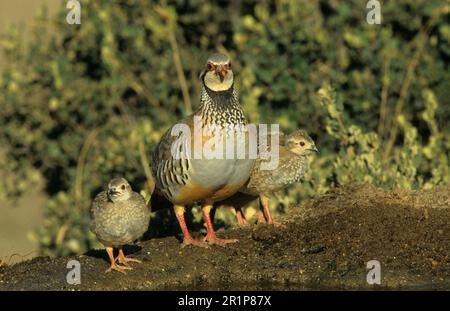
(229, 65)
(302, 143)
(123, 187)
(210, 66)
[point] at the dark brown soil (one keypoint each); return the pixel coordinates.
(325, 244)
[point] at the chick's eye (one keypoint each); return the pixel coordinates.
(123, 187)
(302, 143)
(229, 65)
(210, 66)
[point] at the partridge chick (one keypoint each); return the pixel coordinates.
(293, 164)
(119, 217)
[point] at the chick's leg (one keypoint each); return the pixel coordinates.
(211, 237)
(187, 238)
(265, 212)
(240, 216)
(115, 266)
(261, 217)
(125, 260)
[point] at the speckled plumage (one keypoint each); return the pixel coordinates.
(220, 112)
(119, 223)
(119, 216)
(292, 167)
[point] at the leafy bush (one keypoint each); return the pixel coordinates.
(81, 104)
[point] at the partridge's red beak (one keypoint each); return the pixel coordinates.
(221, 72)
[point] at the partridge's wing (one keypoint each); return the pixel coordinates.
(270, 145)
(170, 161)
(99, 202)
(262, 172)
(265, 140)
(139, 215)
(137, 200)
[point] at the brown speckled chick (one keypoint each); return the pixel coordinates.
(119, 217)
(293, 164)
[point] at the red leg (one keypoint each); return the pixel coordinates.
(240, 216)
(187, 240)
(125, 260)
(114, 266)
(261, 217)
(264, 201)
(211, 237)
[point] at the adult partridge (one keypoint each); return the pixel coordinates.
(207, 174)
(119, 217)
(292, 166)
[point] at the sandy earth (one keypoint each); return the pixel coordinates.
(324, 244)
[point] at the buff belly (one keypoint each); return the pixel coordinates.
(119, 225)
(213, 180)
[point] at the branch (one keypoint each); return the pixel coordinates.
(81, 163)
(171, 29)
(421, 40)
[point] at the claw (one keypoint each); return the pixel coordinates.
(213, 240)
(277, 224)
(119, 268)
(125, 260)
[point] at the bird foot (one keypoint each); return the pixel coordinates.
(241, 222)
(193, 242)
(125, 260)
(261, 218)
(242, 225)
(213, 240)
(119, 268)
(272, 223)
(276, 224)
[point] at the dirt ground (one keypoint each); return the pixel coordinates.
(325, 244)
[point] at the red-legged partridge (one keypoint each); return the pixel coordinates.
(183, 169)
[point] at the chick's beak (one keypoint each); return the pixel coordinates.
(314, 148)
(221, 72)
(112, 191)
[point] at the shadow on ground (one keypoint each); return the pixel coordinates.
(325, 244)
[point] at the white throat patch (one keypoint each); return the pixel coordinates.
(213, 82)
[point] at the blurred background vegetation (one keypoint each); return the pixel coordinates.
(82, 103)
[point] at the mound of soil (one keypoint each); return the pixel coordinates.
(324, 244)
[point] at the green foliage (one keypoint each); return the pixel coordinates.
(360, 157)
(79, 102)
